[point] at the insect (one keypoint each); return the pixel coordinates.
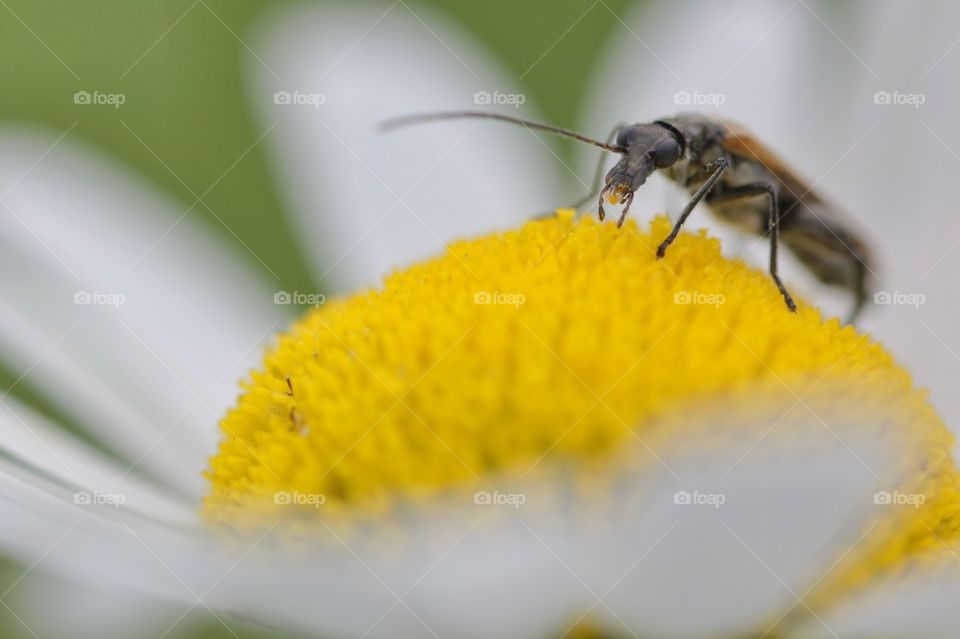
(739, 179)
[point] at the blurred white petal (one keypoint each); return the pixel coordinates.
(921, 605)
(366, 201)
(148, 373)
(610, 544)
(97, 543)
(52, 607)
(796, 497)
(903, 180)
(343, 590)
(35, 443)
(797, 488)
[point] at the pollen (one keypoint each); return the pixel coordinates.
(494, 354)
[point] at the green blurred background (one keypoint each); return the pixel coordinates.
(181, 65)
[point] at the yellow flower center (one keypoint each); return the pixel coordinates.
(559, 340)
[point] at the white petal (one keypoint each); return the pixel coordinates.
(619, 551)
(798, 491)
(736, 529)
(367, 201)
(902, 178)
(457, 568)
(343, 591)
(98, 543)
(83, 608)
(922, 605)
(36, 443)
(149, 373)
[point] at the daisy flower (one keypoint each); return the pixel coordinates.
(483, 426)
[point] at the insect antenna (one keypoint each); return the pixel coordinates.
(408, 120)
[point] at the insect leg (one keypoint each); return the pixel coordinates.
(831, 251)
(862, 290)
(722, 165)
(773, 225)
(628, 200)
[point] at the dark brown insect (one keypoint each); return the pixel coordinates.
(737, 176)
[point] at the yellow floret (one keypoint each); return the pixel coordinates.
(555, 339)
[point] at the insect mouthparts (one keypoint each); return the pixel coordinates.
(616, 193)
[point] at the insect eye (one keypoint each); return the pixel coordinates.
(667, 152)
